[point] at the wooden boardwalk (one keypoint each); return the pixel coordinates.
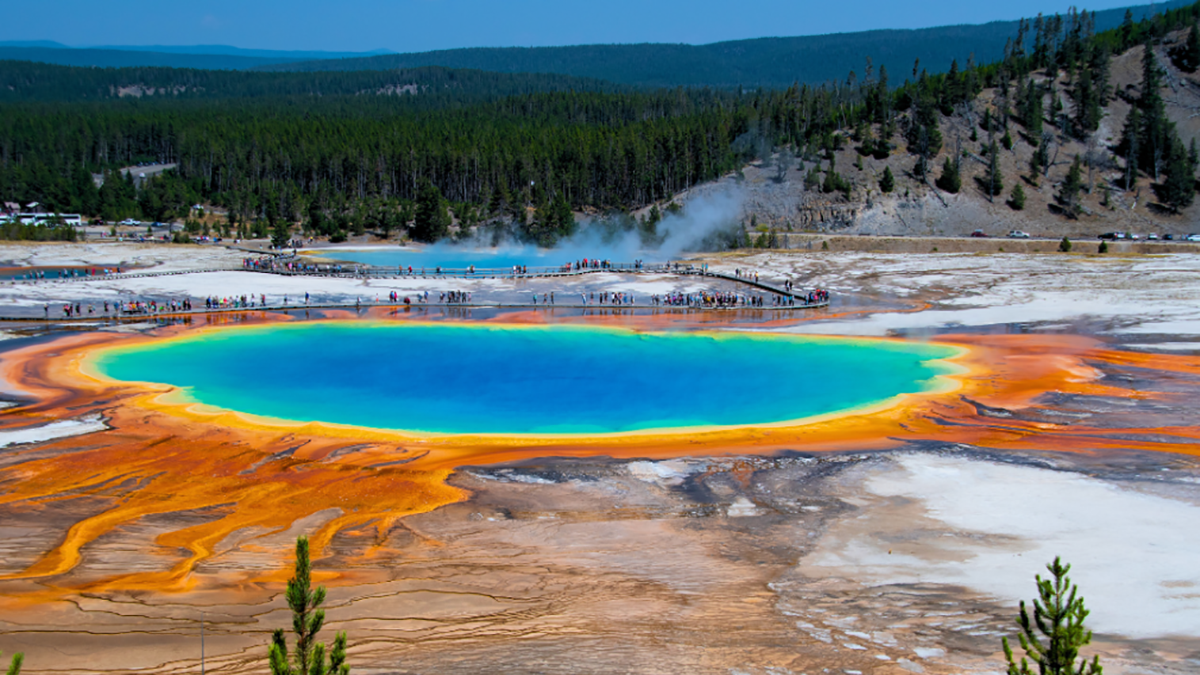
(792, 300)
(135, 317)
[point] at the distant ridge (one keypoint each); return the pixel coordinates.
(766, 62)
(201, 57)
(226, 50)
(772, 62)
(112, 58)
(49, 44)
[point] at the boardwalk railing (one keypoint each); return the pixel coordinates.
(566, 270)
(281, 266)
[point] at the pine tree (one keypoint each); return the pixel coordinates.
(307, 619)
(952, 85)
(1032, 111)
(1087, 105)
(888, 182)
(923, 136)
(1128, 31)
(920, 169)
(540, 229)
(1155, 133)
(407, 213)
(1179, 184)
(1017, 200)
(14, 667)
(1101, 75)
(564, 219)
(1129, 145)
(280, 234)
(1064, 246)
(389, 220)
(431, 221)
(1187, 56)
(1068, 193)
(1058, 616)
(834, 182)
(950, 180)
(993, 182)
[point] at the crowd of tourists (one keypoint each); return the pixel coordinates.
(785, 294)
(748, 276)
(237, 301)
(66, 273)
(816, 296)
(705, 299)
(584, 264)
(152, 306)
(606, 298)
(78, 310)
(282, 265)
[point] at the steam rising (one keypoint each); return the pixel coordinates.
(707, 222)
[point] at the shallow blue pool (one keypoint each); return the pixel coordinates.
(472, 378)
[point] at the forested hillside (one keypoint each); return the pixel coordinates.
(337, 156)
(427, 87)
(775, 62)
(341, 163)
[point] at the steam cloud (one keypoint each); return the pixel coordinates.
(706, 222)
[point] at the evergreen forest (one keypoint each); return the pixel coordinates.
(345, 152)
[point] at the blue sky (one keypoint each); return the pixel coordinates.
(419, 25)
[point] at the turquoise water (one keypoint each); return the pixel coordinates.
(462, 378)
(27, 273)
(449, 257)
(452, 257)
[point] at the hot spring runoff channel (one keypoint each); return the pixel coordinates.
(469, 379)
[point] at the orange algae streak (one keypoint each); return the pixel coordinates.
(247, 476)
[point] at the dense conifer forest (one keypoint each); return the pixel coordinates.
(344, 152)
(427, 87)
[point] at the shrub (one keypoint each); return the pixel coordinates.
(1017, 200)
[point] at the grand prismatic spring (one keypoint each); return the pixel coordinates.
(464, 379)
(590, 490)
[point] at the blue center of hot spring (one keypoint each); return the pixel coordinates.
(463, 378)
(456, 258)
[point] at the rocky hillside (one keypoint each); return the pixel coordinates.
(777, 197)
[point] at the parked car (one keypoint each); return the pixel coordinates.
(1152, 237)
(1193, 237)
(1113, 236)
(1018, 234)
(978, 233)
(1168, 237)
(1133, 236)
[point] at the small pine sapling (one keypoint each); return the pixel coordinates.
(1053, 635)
